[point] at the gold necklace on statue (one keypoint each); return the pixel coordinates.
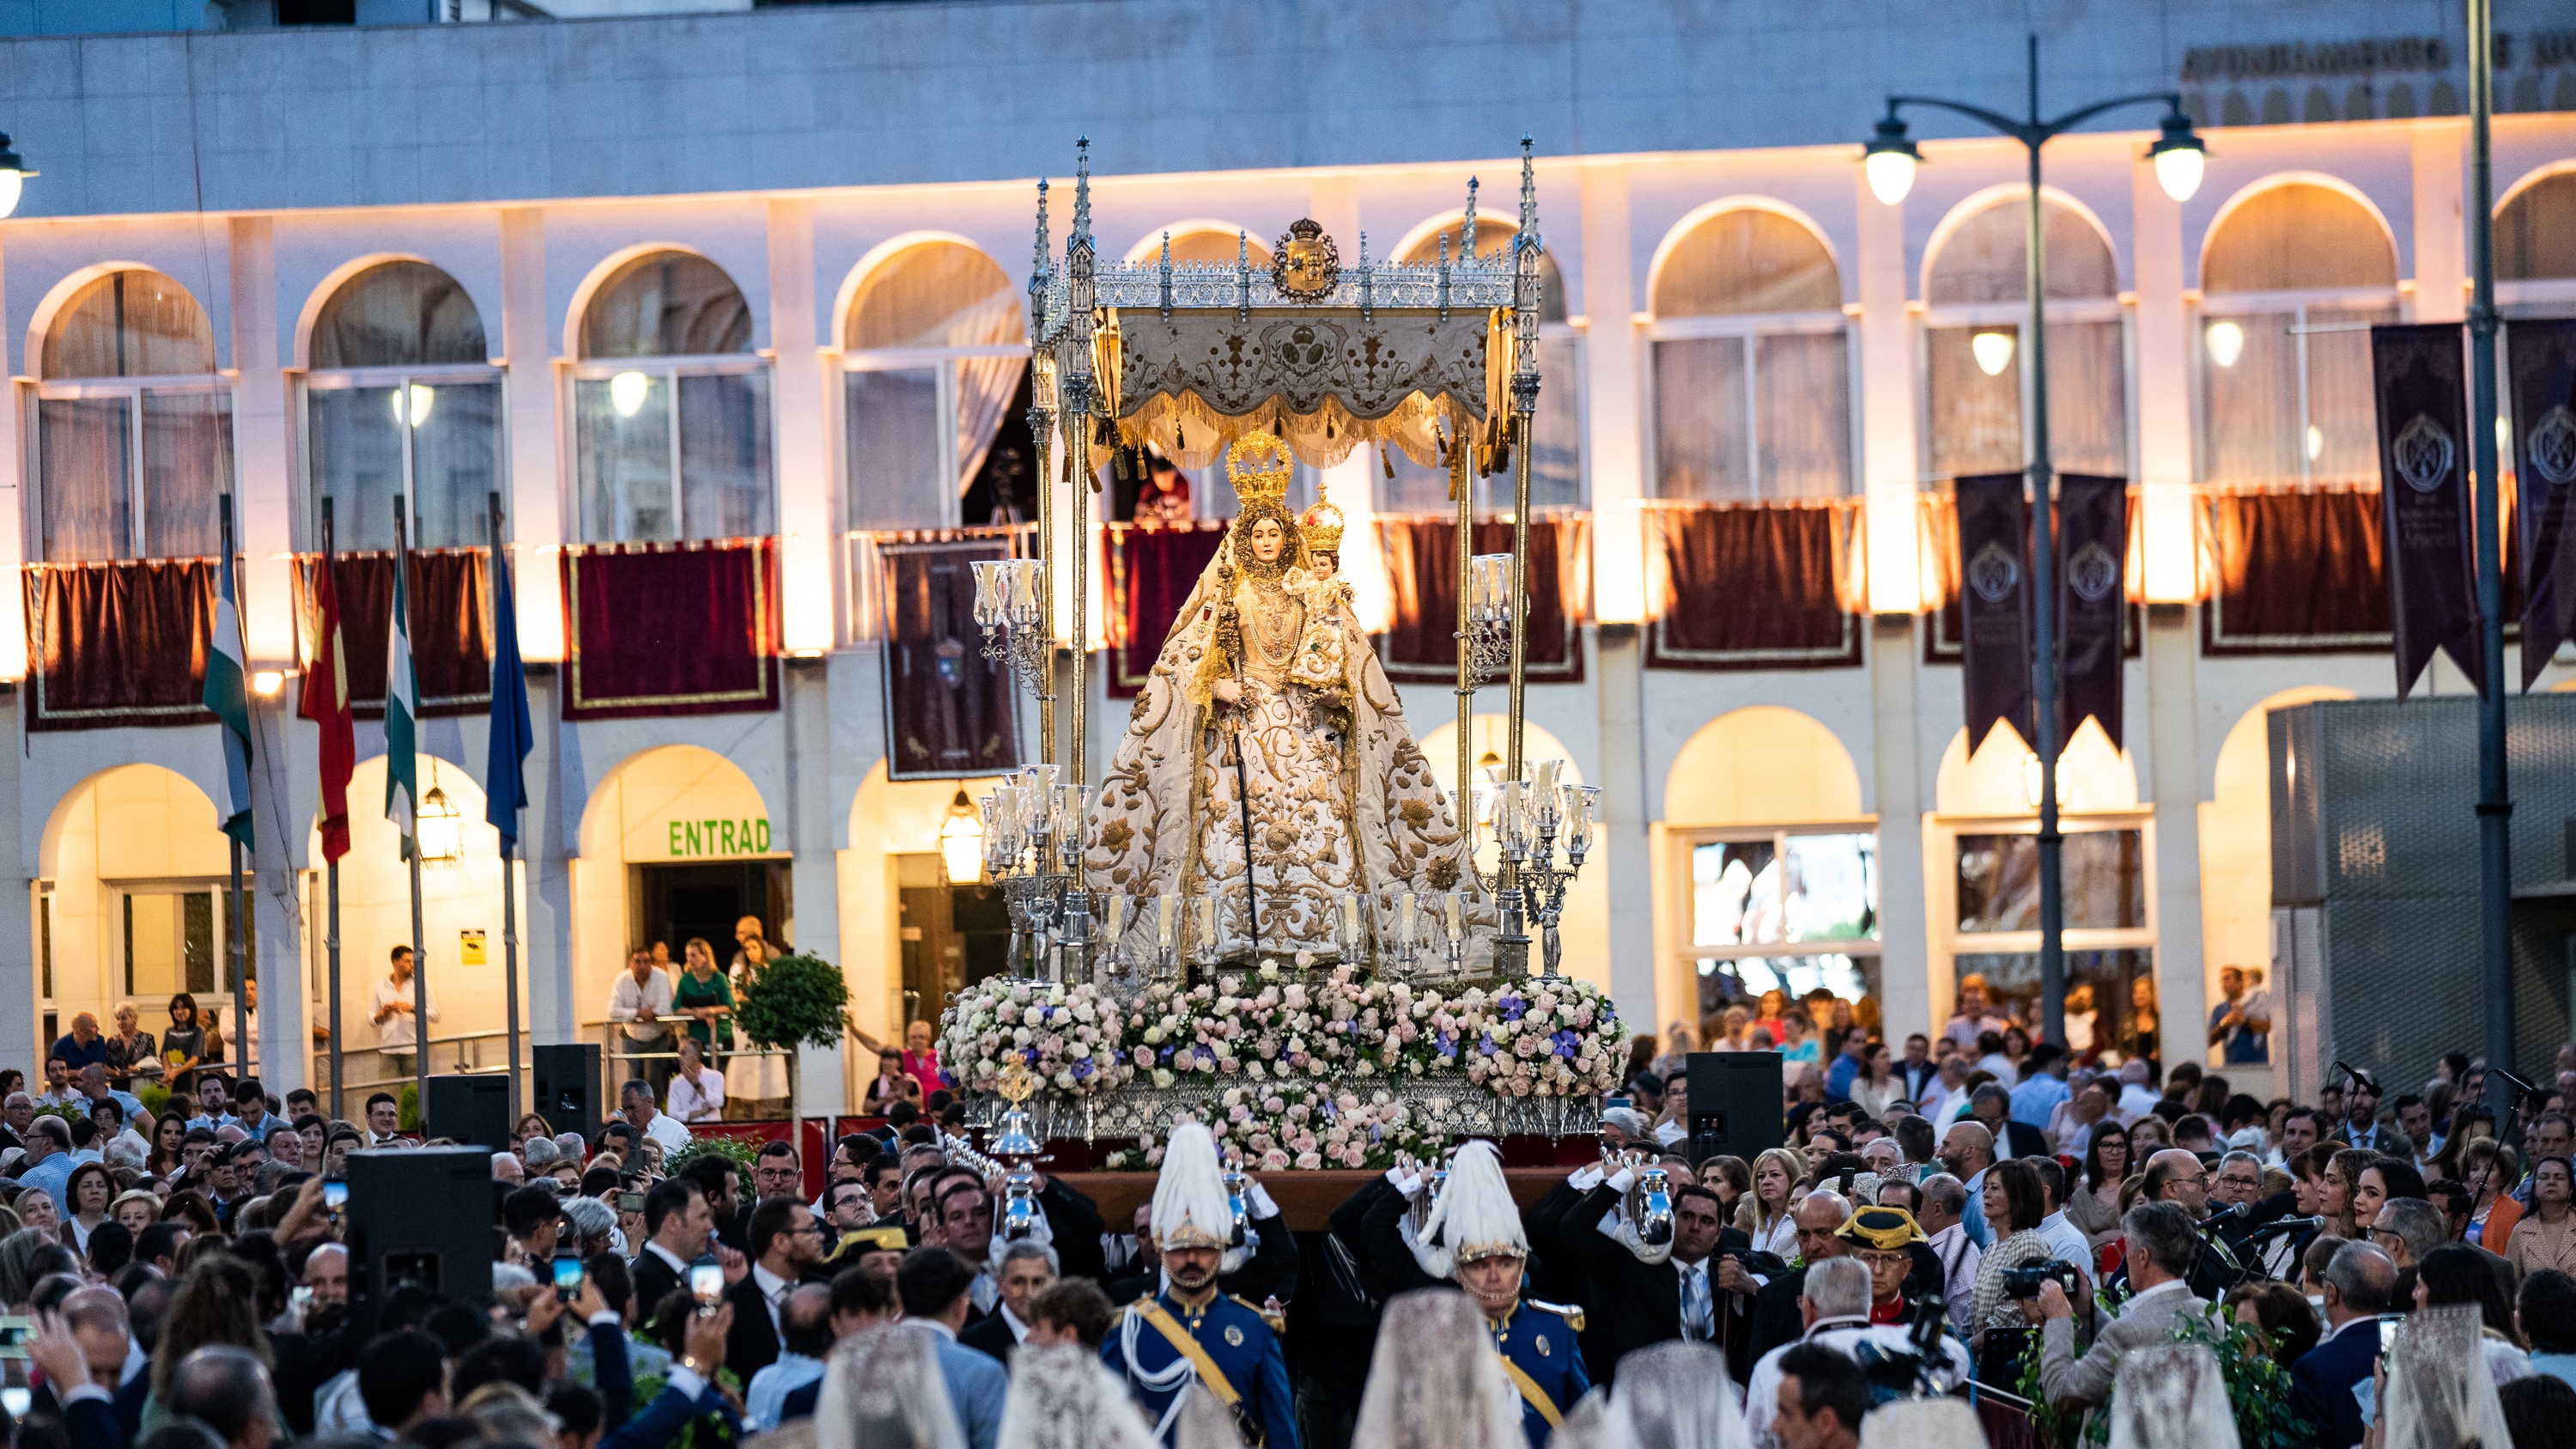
(1270, 622)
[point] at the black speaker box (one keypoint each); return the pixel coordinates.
(567, 1079)
(421, 1216)
(1735, 1104)
(470, 1109)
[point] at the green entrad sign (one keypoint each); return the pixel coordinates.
(747, 836)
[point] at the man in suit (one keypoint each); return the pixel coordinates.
(1991, 1105)
(2162, 1242)
(2361, 1115)
(1918, 1071)
(2361, 1282)
(83, 1351)
(786, 1242)
(1641, 1297)
(932, 1286)
(1028, 1268)
(689, 1393)
(678, 1226)
(1776, 1320)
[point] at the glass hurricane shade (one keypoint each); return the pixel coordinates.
(441, 828)
(961, 842)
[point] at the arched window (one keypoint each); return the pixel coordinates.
(937, 360)
(1556, 462)
(671, 406)
(1976, 296)
(134, 430)
(2535, 233)
(2291, 279)
(1752, 364)
(403, 401)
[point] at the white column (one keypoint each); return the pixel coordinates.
(1890, 466)
(2161, 328)
(807, 489)
(18, 998)
(2441, 222)
(1902, 797)
(538, 512)
(1614, 445)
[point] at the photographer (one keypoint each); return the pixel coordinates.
(2162, 1243)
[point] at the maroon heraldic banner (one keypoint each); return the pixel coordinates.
(1994, 605)
(2424, 493)
(2092, 605)
(2541, 358)
(1151, 573)
(948, 708)
(668, 629)
(119, 643)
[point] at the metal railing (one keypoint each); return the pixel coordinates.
(470, 1060)
(613, 1080)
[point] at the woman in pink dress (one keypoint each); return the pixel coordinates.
(920, 1059)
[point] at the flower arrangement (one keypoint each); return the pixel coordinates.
(1072, 1037)
(1302, 1064)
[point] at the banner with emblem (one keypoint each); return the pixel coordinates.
(2424, 497)
(1994, 604)
(2092, 553)
(2540, 361)
(948, 708)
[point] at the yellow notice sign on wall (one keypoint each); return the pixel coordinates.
(469, 949)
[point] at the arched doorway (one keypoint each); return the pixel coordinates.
(1766, 870)
(2236, 849)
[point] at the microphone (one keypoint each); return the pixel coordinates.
(2286, 1225)
(2525, 1088)
(2369, 1083)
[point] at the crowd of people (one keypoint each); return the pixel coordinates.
(1978, 1246)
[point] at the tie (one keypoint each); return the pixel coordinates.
(1695, 1316)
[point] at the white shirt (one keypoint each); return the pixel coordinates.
(1959, 1256)
(666, 1129)
(1010, 1320)
(2067, 1242)
(2142, 1295)
(772, 1290)
(626, 1000)
(1699, 1294)
(394, 1033)
(698, 1101)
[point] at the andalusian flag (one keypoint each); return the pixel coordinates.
(402, 707)
(228, 695)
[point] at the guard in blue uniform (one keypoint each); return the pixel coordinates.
(1474, 1235)
(1191, 1332)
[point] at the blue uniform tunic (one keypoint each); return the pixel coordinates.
(1234, 1336)
(1542, 1345)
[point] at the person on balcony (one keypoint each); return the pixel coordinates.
(698, 1090)
(397, 1035)
(640, 1006)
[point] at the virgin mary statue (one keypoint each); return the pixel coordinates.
(1267, 765)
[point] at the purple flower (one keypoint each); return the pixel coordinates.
(1081, 1070)
(1511, 1006)
(1487, 1045)
(1567, 1043)
(1446, 1043)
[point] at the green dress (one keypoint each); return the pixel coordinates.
(689, 992)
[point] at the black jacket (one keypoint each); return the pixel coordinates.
(1388, 1262)
(654, 1281)
(1075, 1221)
(993, 1336)
(1271, 1267)
(752, 1343)
(1633, 1304)
(1775, 1308)
(2024, 1139)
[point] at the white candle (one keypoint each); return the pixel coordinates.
(1350, 918)
(1117, 917)
(1166, 908)
(1454, 901)
(1405, 926)
(1207, 921)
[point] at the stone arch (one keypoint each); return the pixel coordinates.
(2236, 839)
(2091, 776)
(1764, 764)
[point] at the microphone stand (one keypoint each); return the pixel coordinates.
(2522, 1092)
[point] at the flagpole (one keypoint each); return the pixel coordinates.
(331, 868)
(411, 850)
(509, 886)
(233, 908)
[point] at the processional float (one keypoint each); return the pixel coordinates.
(1311, 357)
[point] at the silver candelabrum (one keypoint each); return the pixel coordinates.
(1528, 819)
(1487, 641)
(1035, 833)
(1010, 608)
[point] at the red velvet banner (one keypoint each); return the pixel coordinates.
(670, 629)
(113, 644)
(2298, 573)
(451, 627)
(1713, 559)
(1151, 573)
(1421, 646)
(949, 710)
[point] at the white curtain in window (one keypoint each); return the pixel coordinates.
(187, 465)
(894, 448)
(1700, 453)
(87, 447)
(1802, 398)
(2088, 399)
(985, 385)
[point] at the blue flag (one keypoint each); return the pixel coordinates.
(505, 788)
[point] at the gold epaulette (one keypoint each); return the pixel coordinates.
(1572, 1313)
(1278, 1322)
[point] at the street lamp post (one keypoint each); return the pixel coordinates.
(2495, 804)
(2178, 154)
